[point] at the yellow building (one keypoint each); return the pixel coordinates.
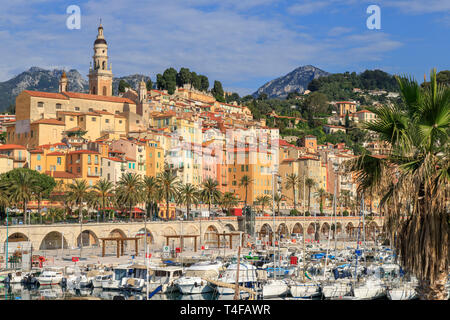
(85, 164)
(154, 158)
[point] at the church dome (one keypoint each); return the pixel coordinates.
(100, 41)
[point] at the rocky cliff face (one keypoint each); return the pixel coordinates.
(296, 80)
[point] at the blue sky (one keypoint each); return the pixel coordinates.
(243, 43)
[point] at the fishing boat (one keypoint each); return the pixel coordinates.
(192, 281)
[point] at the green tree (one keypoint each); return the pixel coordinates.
(20, 185)
(217, 91)
(204, 83)
(183, 77)
(321, 195)
(105, 191)
(415, 173)
(310, 184)
(228, 201)
(188, 196)
(245, 182)
(129, 191)
(278, 198)
(122, 85)
(263, 200)
(291, 182)
(151, 194)
(169, 185)
(210, 192)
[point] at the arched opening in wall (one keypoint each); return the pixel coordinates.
(325, 229)
(189, 242)
(103, 65)
(265, 232)
(53, 240)
(94, 90)
(349, 229)
(17, 237)
(104, 91)
(310, 231)
(117, 233)
(338, 228)
(230, 227)
(87, 238)
(298, 229)
(210, 237)
(283, 230)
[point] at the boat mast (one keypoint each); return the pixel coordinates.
(236, 288)
(357, 241)
(273, 226)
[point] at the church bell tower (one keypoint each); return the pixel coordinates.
(100, 74)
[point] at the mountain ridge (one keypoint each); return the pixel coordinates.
(296, 80)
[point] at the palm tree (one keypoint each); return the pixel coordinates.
(130, 191)
(77, 192)
(245, 182)
(263, 200)
(291, 182)
(151, 195)
(94, 201)
(310, 184)
(414, 172)
(320, 195)
(188, 196)
(278, 198)
(21, 190)
(210, 192)
(228, 201)
(105, 190)
(169, 185)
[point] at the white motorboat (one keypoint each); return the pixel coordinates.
(192, 282)
(98, 280)
(78, 281)
(136, 280)
(164, 277)
(371, 289)
(114, 282)
(304, 290)
(15, 277)
(50, 277)
(247, 277)
(275, 288)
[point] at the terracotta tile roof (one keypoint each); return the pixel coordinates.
(115, 159)
(36, 151)
(62, 175)
(56, 153)
(103, 112)
(84, 152)
(51, 95)
(69, 113)
(78, 95)
(49, 121)
(11, 147)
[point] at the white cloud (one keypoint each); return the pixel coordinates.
(150, 36)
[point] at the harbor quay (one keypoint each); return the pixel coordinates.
(199, 234)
